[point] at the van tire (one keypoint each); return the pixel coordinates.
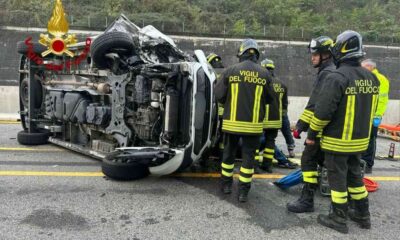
(124, 171)
(111, 42)
(34, 138)
(37, 48)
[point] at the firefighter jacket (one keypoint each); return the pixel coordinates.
(275, 110)
(345, 109)
(383, 93)
(305, 118)
(244, 89)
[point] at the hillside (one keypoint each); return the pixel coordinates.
(377, 20)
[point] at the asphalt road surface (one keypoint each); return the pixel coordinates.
(47, 192)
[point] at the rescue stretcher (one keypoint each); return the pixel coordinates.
(389, 131)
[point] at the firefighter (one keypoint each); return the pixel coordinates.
(272, 122)
(244, 89)
(286, 131)
(216, 62)
(321, 58)
(369, 156)
(344, 113)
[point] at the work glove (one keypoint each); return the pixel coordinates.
(377, 121)
(296, 134)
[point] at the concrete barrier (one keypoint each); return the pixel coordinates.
(9, 103)
(292, 59)
(9, 106)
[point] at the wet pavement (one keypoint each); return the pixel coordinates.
(47, 192)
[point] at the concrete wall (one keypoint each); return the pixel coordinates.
(291, 60)
(9, 106)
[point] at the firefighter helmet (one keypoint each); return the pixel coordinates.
(249, 45)
(347, 45)
(320, 44)
(215, 60)
(268, 63)
(213, 56)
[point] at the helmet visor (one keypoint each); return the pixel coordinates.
(313, 46)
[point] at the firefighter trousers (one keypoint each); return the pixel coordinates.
(268, 146)
(249, 146)
(312, 156)
(369, 155)
(344, 176)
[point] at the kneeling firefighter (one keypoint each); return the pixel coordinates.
(244, 89)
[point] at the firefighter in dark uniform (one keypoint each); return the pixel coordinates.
(272, 121)
(344, 113)
(321, 58)
(286, 131)
(216, 62)
(244, 90)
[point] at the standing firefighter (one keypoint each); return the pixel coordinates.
(244, 90)
(369, 156)
(321, 58)
(286, 131)
(344, 113)
(216, 62)
(273, 119)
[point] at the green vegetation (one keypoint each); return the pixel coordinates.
(377, 20)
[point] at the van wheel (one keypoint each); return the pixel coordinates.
(37, 90)
(38, 138)
(111, 42)
(124, 170)
(37, 48)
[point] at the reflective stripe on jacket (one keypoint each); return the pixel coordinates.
(345, 110)
(244, 89)
(273, 112)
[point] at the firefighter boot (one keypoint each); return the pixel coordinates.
(306, 201)
(266, 165)
(226, 184)
(257, 169)
(244, 189)
(336, 219)
(291, 150)
(359, 213)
